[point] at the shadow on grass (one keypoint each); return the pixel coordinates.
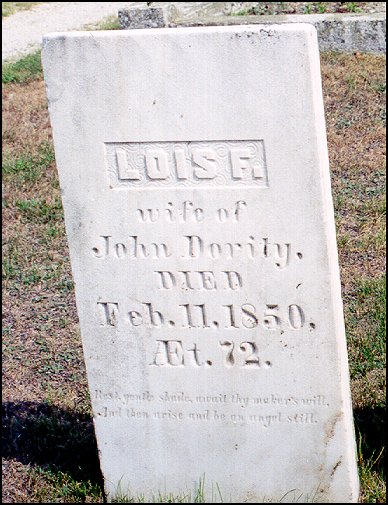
(52, 438)
(370, 427)
(64, 440)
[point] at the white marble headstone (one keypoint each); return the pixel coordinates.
(195, 180)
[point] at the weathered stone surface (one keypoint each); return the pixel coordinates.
(353, 33)
(167, 13)
(336, 32)
(194, 172)
(152, 17)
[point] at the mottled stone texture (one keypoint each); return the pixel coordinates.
(349, 34)
(152, 17)
(336, 32)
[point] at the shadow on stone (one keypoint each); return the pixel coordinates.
(50, 437)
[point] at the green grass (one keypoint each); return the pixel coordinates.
(62, 487)
(8, 8)
(40, 211)
(371, 474)
(272, 8)
(366, 325)
(198, 495)
(27, 167)
(352, 7)
(108, 23)
(33, 199)
(53, 486)
(24, 70)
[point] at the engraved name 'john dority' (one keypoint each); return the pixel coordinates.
(186, 162)
(194, 247)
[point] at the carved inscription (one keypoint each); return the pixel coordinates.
(187, 212)
(232, 332)
(247, 316)
(195, 247)
(236, 327)
(263, 411)
(185, 164)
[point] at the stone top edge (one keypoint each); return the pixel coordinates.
(300, 18)
(294, 27)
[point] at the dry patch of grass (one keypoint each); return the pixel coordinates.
(355, 95)
(354, 89)
(16, 481)
(46, 408)
(107, 23)
(8, 8)
(355, 102)
(48, 442)
(26, 124)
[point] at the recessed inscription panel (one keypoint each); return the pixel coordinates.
(185, 164)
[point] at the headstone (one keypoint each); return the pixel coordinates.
(194, 172)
